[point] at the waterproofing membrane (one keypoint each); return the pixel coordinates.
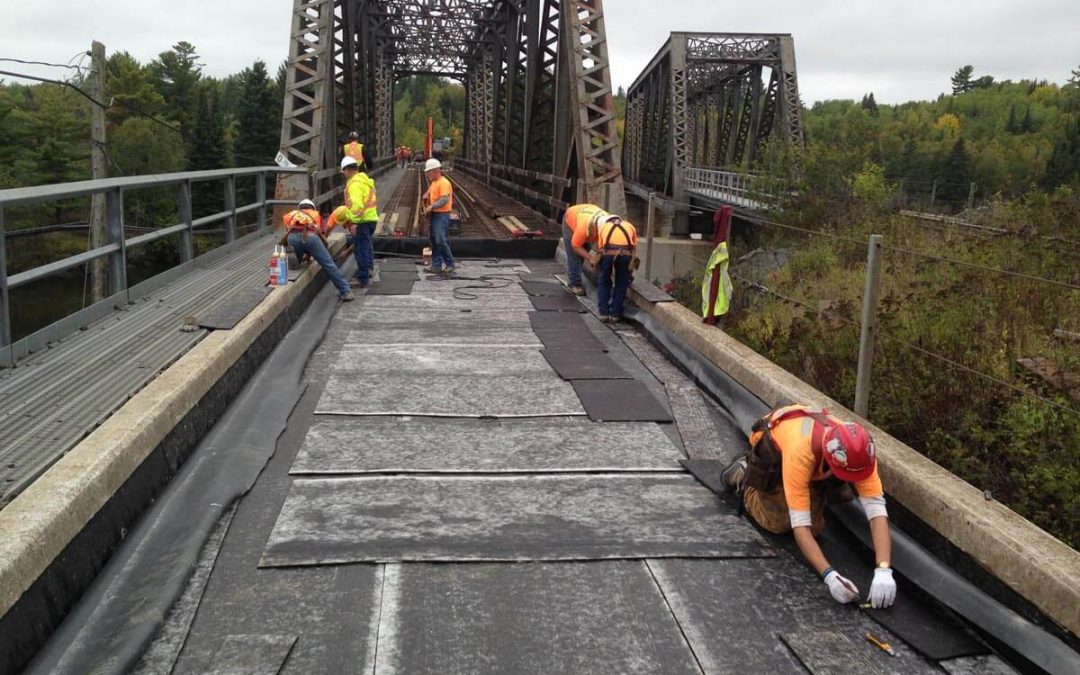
(226, 315)
(539, 517)
(341, 445)
(558, 303)
(431, 330)
(827, 652)
(579, 364)
(541, 288)
(650, 292)
(565, 321)
(603, 617)
(109, 628)
(392, 287)
(424, 303)
(252, 655)
(558, 338)
(620, 401)
(978, 665)
(451, 396)
(472, 248)
(748, 602)
(369, 365)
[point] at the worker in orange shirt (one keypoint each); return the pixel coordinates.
(800, 459)
(439, 203)
(304, 234)
(579, 230)
(355, 149)
(614, 256)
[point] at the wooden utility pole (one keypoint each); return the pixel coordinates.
(99, 235)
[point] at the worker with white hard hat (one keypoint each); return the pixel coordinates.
(439, 202)
(304, 234)
(362, 214)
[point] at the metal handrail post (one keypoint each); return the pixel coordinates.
(114, 219)
(187, 237)
(230, 205)
(260, 197)
(869, 325)
(5, 306)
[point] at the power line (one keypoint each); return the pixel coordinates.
(985, 268)
(42, 63)
(133, 108)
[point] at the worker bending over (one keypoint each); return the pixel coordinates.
(439, 202)
(614, 256)
(579, 230)
(801, 458)
(304, 234)
(306, 208)
(362, 213)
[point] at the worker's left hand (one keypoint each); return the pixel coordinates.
(883, 589)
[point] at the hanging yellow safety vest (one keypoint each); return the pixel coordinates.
(717, 261)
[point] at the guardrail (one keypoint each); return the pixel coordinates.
(736, 188)
(491, 174)
(115, 250)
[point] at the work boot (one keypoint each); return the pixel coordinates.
(449, 272)
(604, 318)
(355, 283)
(732, 476)
(615, 319)
(577, 290)
(348, 297)
(432, 270)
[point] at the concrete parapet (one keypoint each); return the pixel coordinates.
(36, 527)
(1039, 567)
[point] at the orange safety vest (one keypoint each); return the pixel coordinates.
(303, 220)
(627, 233)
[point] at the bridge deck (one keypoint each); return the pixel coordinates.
(512, 533)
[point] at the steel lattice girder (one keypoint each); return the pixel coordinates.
(536, 72)
(709, 93)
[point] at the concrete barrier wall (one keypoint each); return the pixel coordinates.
(1039, 567)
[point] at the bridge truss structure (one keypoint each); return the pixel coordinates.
(712, 100)
(536, 75)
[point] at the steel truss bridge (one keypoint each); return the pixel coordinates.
(536, 74)
(701, 114)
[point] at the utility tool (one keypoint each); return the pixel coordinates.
(883, 646)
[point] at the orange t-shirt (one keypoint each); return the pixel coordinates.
(800, 466)
(578, 217)
(441, 188)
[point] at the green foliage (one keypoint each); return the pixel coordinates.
(419, 97)
(177, 74)
(870, 185)
(258, 118)
(961, 80)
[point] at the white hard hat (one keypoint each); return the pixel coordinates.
(306, 202)
(432, 164)
(611, 217)
(346, 162)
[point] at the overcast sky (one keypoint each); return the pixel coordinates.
(898, 49)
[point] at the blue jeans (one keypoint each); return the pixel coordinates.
(610, 301)
(313, 246)
(573, 262)
(440, 241)
(363, 252)
(372, 226)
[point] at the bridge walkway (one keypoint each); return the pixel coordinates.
(442, 501)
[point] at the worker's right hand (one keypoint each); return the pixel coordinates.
(842, 590)
(594, 258)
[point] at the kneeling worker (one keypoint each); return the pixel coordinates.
(305, 238)
(616, 244)
(579, 230)
(800, 458)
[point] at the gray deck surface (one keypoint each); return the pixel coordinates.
(353, 479)
(56, 397)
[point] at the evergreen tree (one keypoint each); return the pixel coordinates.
(869, 104)
(956, 174)
(984, 82)
(1011, 126)
(258, 119)
(1028, 125)
(130, 87)
(178, 72)
(961, 80)
(1063, 167)
(208, 148)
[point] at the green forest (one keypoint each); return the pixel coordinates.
(977, 356)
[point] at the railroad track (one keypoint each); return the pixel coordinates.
(486, 212)
(402, 211)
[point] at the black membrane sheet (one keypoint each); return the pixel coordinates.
(606, 617)
(344, 445)
(519, 518)
(569, 339)
(226, 315)
(252, 655)
(542, 288)
(563, 321)
(581, 364)
(826, 652)
(392, 287)
(620, 401)
(557, 303)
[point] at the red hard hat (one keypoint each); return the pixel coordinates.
(850, 451)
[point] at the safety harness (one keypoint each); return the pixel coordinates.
(765, 461)
(617, 249)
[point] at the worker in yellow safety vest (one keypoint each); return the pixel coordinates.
(355, 149)
(615, 256)
(361, 204)
(579, 231)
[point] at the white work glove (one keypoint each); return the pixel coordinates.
(842, 590)
(883, 589)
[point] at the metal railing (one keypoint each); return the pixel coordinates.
(729, 186)
(116, 248)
